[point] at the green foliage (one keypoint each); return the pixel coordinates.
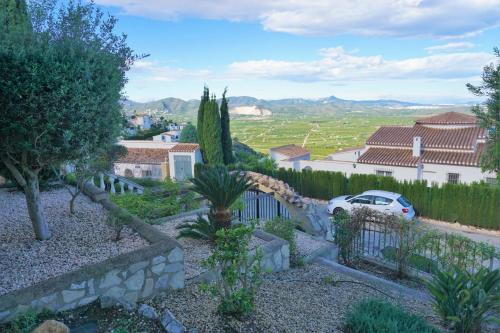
(489, 116)
(346, 232)
(238, 274)
(374, 316)
(474, 204)
(146, 134)
(212, 139)
(221, 188)
(453, 250)
(227, 143)
(122, 325)
(26, 322)
(189, 134)
(201, 228)
(466, 300)
(200, 120)
(117, 221)
(148, 206)
(285, 229)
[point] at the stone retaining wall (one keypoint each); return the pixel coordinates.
(131, 276)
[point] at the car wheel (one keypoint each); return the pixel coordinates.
(337, 210)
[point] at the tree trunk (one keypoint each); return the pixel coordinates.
(72, 204)
(223, 218)
(32, 193)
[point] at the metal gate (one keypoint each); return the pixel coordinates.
(183, 167)
(261, 206)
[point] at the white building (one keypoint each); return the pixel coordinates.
(445, 148)
(170, 136)
(142, 121)
(158, 160)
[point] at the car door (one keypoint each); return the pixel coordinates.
(362, 201)
(382, 204)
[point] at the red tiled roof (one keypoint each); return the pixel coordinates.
(404, 157)
(290, 150)
(145, 156)
(402, 136)
(449, 118)
(184, 148)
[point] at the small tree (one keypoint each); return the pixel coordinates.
(212, 133)
(60, 90)
(189, 134)
(227, 143)
(201, 114)
(489, 116)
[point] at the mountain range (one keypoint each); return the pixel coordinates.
(291, 106)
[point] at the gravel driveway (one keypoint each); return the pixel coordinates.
(76, 240)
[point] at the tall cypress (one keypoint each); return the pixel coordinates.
(14, 20)
(200, 126)
(211, 133)
(227, 142)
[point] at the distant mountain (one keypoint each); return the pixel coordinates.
(290, 106)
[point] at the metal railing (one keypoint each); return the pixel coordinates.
(260, 206)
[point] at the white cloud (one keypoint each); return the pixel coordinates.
(147, 70)
(405, 18)
(337, 65)
(450, 47)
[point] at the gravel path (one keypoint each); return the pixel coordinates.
(285, 303)
(76, 240)
(307, 244)
(195, 250)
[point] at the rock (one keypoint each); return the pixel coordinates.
(170, 324)
(51, 326)
(147, 311)
(109, 301)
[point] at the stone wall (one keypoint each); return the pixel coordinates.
(131, 276)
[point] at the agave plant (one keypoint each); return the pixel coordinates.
(221, 188)
(465, 300)
(200, 229)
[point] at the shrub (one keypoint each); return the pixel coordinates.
(201, 228)
(374, 316)
(347, 230)
(116, 221)
(465, 300)
(285, 229)
(26, 322)
(237, 274)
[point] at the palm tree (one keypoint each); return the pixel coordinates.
(222, 189)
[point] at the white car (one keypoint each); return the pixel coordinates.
(382, 201)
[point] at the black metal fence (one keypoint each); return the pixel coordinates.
(427, 250)
(260, 206)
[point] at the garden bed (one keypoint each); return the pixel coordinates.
(297, 300)
(195, 250)
(77, 240)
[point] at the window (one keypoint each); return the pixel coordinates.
(146, 173)
(382, 201)
(383, 173)
(491, 181)
(453, 178)
(364, 200)
(404, 202)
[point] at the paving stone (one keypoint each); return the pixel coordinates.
(158, 269)
(171, 324)
(158, 259)
(137, 266)
(72, 295)
(110, 279)
(147, 311)
(136, 281)
(175, 255)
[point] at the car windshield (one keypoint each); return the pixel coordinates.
(404, 202)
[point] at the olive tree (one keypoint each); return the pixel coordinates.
(60, 92)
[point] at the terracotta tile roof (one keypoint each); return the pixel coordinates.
(404, 157)
(290, 150)
(185, 147)
(402, 136)
(449, 118)
(145, 156)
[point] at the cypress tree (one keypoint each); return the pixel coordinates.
(199, 126)
(211, 133)
(227, 143)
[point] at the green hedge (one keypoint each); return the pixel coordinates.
(477, 204)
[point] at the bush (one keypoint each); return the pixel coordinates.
(285, 229)
(347, 230)
(26, 322)
(474, 204)
(465, 300)
(237, 274)
(373, 316)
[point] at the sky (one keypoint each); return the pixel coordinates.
(413, 50)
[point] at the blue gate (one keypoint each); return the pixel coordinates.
(260, 206)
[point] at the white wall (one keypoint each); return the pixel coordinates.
(146, 144)
(350, 155)
(195, 158)
(432, 173)
(137, 169)
(280, 157)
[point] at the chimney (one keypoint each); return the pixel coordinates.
(417, 146)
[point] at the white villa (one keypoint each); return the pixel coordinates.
(158, 160)
(445, 148)
(170, 136)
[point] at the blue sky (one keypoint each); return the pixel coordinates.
(415, 50)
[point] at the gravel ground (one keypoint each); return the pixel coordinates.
(195, 250)
(76, 240)
(297, 300)
(306, 244)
